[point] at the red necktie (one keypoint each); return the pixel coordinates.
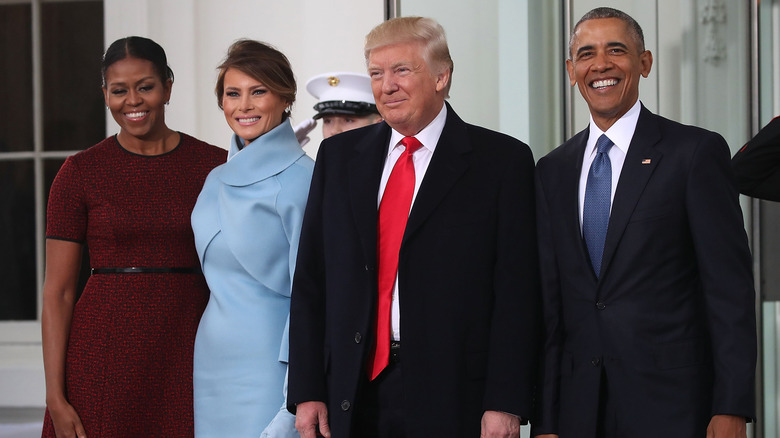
(393, 213)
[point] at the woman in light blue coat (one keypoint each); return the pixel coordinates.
(247, 223)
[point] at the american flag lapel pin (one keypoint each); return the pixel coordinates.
(646, 161)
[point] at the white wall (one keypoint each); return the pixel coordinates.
(316, 35)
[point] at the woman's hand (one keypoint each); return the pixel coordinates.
(67, 423)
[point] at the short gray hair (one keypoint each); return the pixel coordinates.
(603, 12)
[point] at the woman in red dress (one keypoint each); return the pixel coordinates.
(118, 361)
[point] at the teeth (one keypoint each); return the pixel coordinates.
(136, 115)
(249, 120)
(604, 83)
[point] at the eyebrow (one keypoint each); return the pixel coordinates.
(123, 83)
(252, 88)
(400, 64)
(609, 44)
(393, 66)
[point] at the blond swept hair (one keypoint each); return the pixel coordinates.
(423, 30)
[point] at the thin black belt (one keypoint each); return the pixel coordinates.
(136, 270)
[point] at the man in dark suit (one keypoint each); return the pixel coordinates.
(444, 345)
(646, 274)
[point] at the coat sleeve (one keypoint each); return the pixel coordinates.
(757, 165)
(725, 270)
(514, 328)
(307, 318)
(546, 412)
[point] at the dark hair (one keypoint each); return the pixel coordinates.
(137, 47)
(263, 63)
(633, 27)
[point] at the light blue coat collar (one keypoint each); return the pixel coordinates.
(265, 157)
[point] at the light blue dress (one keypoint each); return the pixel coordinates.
(247, 223)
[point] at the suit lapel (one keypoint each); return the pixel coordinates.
(365, 172)
(447, 165)
(641, 160)
(570, 183)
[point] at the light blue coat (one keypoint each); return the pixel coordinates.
(247, 223)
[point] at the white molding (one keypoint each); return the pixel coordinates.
(19, 333)
(22, 381)
(21, 365)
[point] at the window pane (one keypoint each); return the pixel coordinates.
(72, 47)
(17, 241)
(16, 88)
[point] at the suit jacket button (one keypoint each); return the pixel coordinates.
(358, 337)
(345, 405)
(601, 306)
(596, 361)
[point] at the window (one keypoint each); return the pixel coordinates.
(52, 107)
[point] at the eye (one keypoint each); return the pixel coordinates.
(326, 121)
(231, 93)
(259, 92)
(349, 120)
(584, 55)
(375, 74)
(118, 91)
(146, 88)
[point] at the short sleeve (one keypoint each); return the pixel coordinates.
(66, 213)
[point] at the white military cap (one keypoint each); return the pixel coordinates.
(342, 93)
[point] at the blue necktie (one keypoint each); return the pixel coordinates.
(595, 215)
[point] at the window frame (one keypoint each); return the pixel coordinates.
(21, 366)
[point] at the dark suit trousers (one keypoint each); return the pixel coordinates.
(379, 411)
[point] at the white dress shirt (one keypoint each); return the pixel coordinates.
(621, 133)
(429, 137)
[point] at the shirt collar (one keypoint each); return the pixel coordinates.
(429, 135)
(621, 132)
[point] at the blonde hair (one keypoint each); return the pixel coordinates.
(425, 31)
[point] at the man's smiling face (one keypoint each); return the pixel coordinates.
(606, 63)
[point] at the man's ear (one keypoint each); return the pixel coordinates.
(442, 79)
(570, 70)
(646, 60)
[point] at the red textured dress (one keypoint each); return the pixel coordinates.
(128, 364)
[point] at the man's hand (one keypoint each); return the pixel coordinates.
(499, 425)
(310, 415)
(727, 426)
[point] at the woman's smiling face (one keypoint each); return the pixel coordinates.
(136, 96)
(250, 108)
